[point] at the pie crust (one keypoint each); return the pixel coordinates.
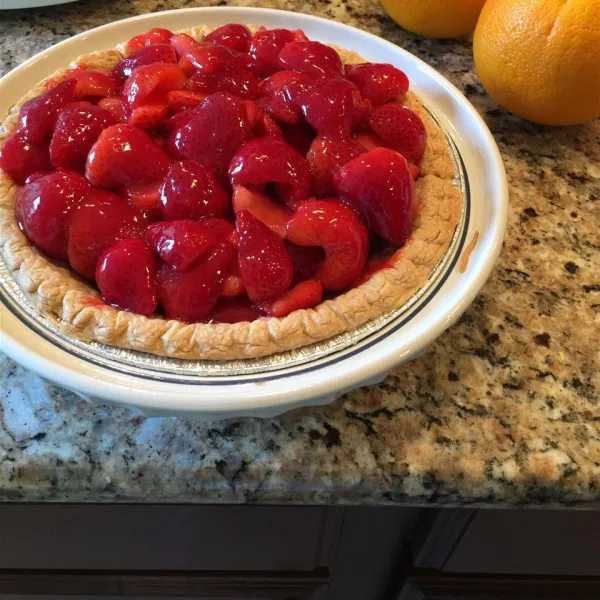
(68, 302)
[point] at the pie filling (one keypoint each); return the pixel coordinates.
(219, 181)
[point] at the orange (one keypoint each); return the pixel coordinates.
(435, 18)
(541, 58)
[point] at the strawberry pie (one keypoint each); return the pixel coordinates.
(222, 194)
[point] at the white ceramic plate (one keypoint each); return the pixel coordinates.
(207, 395)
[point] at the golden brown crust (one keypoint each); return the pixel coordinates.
(65, 300)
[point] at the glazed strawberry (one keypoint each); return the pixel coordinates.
(215, 130)
(260, 206)
(124, 155)
(149, 84)
(152, 37)
(94, 84)
(206, 59)
(306, 294)
(401, 129)
(126, 277)
(378, 184)
(161, 53)
(233, 36)
(267, 160)
(149, 116)
(230, 78)
(191, 295)
(180, 243)
(313, 58)
(262, 125)
(183, 99)
(233, 285)
(77, 128)
(234, 310)
(325, 156)
(342, 235)
(43, 208)
(115, 107)
(191, 191)
(275, 96)
(20, 158)
(144, 197)
(38, 115)
(306, 260)
(378, 82)
(184, 44)
(299, 136)
(99, 221)
(328, 105)
(266, 46)
(264, 263)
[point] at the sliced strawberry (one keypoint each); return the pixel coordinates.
(325, 156)
(368, 140)
(378, 82)
(275, 96)
(215, 130)
(191, 191)
(299, 136)
(115, 107)
(184, 44)
(313, 58)
(265, 265)
(20, 158)
(97, 223)
(124, 155)
(234, 284)
(234, 310)
(38, 115)
(305, 294)
(126, 277)
(43, 208)
(182, 99)
(180, 243)
(77, 128)
(233, 36)
(152, 37)
(379, 186)
(266, 46)
(260, 206)
(144, 197)
(306, 260)
(94, 84)
(340, 232)
(267, 160)
(148, 116)
(262, 125)
(161, 53)
(191, 295)
(149, 84)
(400, 129)
(134, 44)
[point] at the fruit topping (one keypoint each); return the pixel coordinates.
(267, 160)
(234, 310)
(378, 83)
(43, 207)
(126, 277)
(149, 84)
(264, 263)
(94, 84)
(190, 295)
(152, 37)
(261, 207)
(161, 53)
(180, 243)
(20, 158)
(125, 155)
(306, 294)
(379, 186)
(266, 46)
(233, 36)
(399, 128)
(305, 259)
(342, 235)
(77, 128)
(275, 95)
(313, 58)
(99, 221)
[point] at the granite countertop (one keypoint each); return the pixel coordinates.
(503, 409)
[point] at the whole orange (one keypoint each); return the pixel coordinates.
(541, 58)
(435, 18)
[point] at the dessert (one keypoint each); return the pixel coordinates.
(222, 194)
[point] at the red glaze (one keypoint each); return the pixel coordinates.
(21, 158)
(312, 58)
(378, 82)
(233, 36)
(305, 294)
(266, 46)
(161, 53)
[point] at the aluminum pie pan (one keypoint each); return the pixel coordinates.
(173, 369)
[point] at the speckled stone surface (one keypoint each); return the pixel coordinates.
(503, 409)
